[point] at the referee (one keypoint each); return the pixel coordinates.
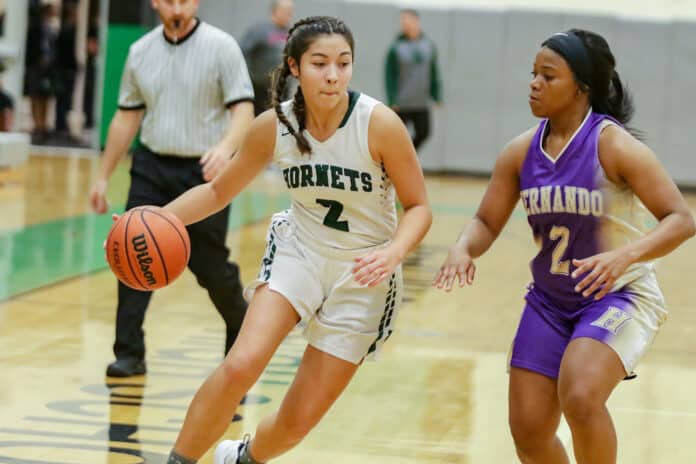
(179, 84)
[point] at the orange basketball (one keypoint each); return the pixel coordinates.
(147, 248)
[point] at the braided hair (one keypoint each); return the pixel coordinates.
(300, 37)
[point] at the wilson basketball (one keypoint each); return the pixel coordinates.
(147, 248)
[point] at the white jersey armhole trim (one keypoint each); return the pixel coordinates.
(365, 137)
(606, 123)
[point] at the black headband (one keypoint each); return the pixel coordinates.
(573, 50)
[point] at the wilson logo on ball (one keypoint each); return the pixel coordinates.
(144, 259)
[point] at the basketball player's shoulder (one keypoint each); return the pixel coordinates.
(617, 149)
(382, 118)
(516, 149)
(366, 100)
(613, 137)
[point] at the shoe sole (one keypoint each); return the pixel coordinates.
(124, 374)
(112, 371)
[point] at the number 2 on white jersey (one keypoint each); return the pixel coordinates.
(334, 213)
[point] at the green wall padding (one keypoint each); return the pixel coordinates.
(119, 39)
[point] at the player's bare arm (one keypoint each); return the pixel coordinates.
(391, 146)
(255, 153)
(495, 209)
(628, 161)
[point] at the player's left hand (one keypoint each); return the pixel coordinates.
(602, 270)
(213, 161)
(371, 269)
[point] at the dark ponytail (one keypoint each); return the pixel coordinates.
(619, 102)
(300, 37)
(594, 68)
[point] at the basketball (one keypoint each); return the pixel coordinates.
(147, 248)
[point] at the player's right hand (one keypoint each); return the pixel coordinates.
(97, 197)
(458, 265)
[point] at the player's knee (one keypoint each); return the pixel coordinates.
(580, 403)
(241, 370)
(531, 432)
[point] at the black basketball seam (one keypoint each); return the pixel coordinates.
(154, 240)
(125, 242)
(183, 241)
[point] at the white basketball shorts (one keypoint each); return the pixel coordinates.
(338, 315)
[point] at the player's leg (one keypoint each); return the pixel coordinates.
(590, 371)
(534, 415)
(320, 380)
(286, 288)
(609, 339)
(534, 409)
(353, 324)
(269, 319)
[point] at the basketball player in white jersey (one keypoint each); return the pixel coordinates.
(333, 260)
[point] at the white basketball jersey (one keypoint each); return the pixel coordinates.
(625, 220)
(341, 198)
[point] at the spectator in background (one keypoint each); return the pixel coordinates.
(39, 60)
(412, 76)
(65, 71)
(262, 46)
(3, 8)
(91, 71)
(6, 107)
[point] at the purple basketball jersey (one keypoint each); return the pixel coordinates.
(565, 203)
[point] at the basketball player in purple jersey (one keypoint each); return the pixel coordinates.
(594, 305)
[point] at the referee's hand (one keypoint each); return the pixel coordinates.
(213, 161)
(97, 197)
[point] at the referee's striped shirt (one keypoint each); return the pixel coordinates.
(185, 88)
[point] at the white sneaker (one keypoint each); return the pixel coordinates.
(229, 451)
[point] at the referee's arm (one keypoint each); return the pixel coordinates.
(122, 130)
(241, 115)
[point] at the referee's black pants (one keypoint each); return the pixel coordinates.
(156, 180)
